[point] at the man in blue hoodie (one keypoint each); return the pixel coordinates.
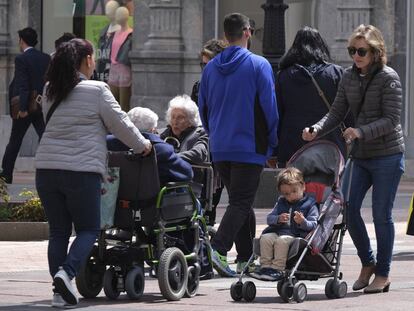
(238, 109)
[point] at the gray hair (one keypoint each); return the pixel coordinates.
(143, 118)
(185, 103)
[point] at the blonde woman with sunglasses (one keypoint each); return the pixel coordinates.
(372, 92)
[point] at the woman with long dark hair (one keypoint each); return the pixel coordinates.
(71, 158)
(298, 99)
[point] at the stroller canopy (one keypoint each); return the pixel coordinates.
(319, 161)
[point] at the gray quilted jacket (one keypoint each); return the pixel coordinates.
(75, 137)
(379, 117)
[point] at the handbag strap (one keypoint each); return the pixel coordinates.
(365, 93)
(51, 111)
(321, 93)
(55, 105)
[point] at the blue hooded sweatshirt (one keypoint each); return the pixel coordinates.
(237, 105)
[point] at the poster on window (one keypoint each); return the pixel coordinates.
(104, 21)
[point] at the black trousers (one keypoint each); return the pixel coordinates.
(19, 129)
(239, 221)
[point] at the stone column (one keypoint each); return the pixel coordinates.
(274, 31)
(349, 15)
(4, 46)
(4, 27)
(164, 56)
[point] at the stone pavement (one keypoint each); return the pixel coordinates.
(26, 285)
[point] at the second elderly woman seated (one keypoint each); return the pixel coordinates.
(184, 131)
(170, 166)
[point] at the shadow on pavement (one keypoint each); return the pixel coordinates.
(310, 297)
(403, 256)
(150, 298)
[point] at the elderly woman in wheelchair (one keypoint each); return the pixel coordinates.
(157, 224)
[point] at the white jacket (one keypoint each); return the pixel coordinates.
(75, 137)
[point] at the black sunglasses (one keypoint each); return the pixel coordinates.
(361, 51)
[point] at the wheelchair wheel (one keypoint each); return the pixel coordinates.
(329, 291)
(286, 292)
(172, 274)
(236, 291)
(89, 280)
(135, 283)
(111, 284)
(249, 291)
(193, 281)
(300, 292)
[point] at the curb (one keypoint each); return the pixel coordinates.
(24, 231)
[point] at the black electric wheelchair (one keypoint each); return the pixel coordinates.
(153, 225)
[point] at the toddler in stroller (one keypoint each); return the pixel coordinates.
(295, 215)
(319, 254)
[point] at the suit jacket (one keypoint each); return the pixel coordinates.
(29, 75)
(170, 166)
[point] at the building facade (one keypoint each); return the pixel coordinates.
(168, 35)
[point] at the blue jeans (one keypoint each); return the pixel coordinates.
(70, 197)
(383, 174)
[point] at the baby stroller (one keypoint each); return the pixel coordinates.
(319, 255)
(156, 226)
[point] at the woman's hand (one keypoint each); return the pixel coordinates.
(147, 149)
(351, 133)
(308, 134)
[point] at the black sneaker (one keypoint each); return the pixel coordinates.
(269, 274)
(7, 179)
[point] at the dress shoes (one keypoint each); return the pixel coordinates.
(364, 277)
(380, 284)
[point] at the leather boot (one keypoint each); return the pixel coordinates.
(380, 284)
(364, 277)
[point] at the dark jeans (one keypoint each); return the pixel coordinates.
(70, 197)
(19, 129)
(239, 222)
(383, 174)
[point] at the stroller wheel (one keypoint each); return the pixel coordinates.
(193, 281)
(172, 274)
(135, 283)
(279, 286)
(111, 284)
(236, 291)
(340, 289)
(249, 291)
(300, 292)
(286, 292)
(89, 280)
(329, 291)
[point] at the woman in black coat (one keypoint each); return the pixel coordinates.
(298, 100)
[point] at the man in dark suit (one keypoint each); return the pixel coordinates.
(30, 69)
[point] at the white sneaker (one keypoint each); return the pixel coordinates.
(59, 302)
(64, 286)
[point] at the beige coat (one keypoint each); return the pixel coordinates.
(75, 137)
